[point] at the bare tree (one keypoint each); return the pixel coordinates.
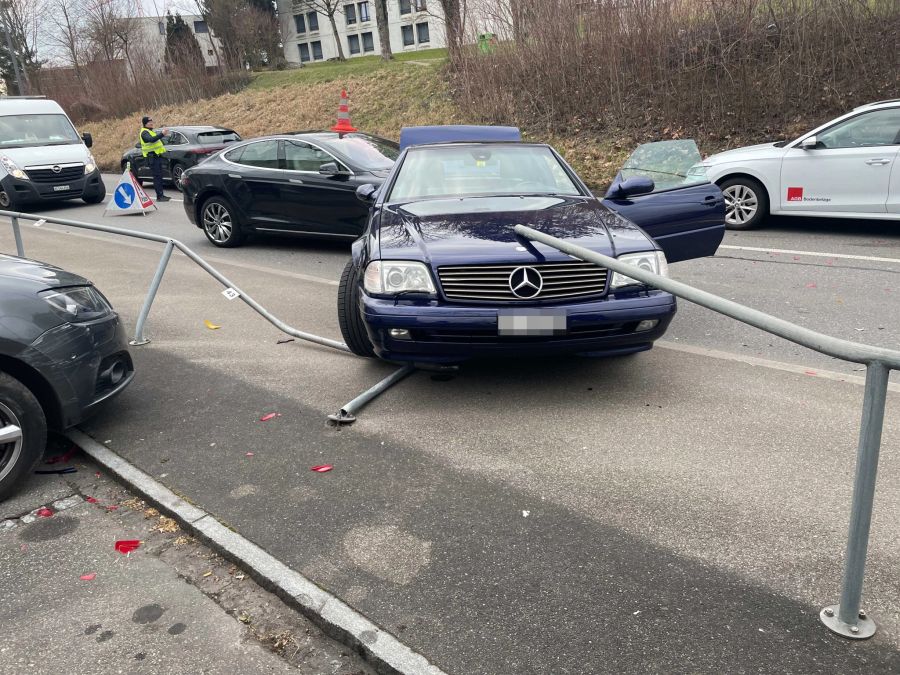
(384, 33)
(67, 32)
(329, 8)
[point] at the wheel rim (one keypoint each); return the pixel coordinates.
(741, 204)
(217, 223)
(4, 199)
(11, 440)
(177, 171)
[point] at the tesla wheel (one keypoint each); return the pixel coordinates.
(177, 171)
(220, 223)
(746, 203)
(352, 327)
(23, 434)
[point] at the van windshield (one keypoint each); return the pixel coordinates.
(26, 131)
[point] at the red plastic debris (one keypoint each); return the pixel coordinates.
(112, 507)
(126, 546)
(811, 286)
(64, 458)
(91, 500)
(97, 474)
(248, 454)
(269, 416)
(321, 468)
(44, 512)
(88, 577)
(810, 372)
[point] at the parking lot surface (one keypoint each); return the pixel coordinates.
(678, 510)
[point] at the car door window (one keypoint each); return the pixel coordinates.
(263, 154)
(669, 164)
(876, 128)
(299, 156)
(174, 138)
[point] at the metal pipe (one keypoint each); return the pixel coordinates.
(346, 415)
(17, 233)
(841, 349)
(139, 338)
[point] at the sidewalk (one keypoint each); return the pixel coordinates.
(73, 604)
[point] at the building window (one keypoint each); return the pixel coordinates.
(405, 7)
(407, 32)
(422, 32)
(312, 19)
(299, 24)
(162, 27)
(364, 12)
(316, 50)
(209, 52)
(368, 42)
(200, 27)
(304, 52)
(350, 13)
(353, 42)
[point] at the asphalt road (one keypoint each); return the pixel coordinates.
(683, 510)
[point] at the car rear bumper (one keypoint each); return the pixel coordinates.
(86, 365)
(442, 333)
(29, 192)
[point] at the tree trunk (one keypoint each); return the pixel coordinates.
(337, 38)
(452, 27)
(384, 32)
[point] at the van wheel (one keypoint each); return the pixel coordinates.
(96, 198)
(746, 203)
(23, 434)
(7, 201)
(352, 327)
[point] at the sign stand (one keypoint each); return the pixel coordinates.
(129, 197)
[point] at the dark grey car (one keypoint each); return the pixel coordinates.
(63, 353)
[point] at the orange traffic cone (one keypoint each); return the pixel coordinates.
(343, 121)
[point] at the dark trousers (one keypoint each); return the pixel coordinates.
(156, 168)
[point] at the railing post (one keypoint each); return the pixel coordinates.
(17, 233)
(847, 618)
(139, 338)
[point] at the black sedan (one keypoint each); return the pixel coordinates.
(303, 184)
(185, 147)
(63, 353)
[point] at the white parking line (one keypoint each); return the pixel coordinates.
(817, 254)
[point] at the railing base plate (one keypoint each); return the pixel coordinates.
(341, 419)
(865, 627)
(138, 343)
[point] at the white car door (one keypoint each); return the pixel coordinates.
(848, 170)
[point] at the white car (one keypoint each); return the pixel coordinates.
(847, 168)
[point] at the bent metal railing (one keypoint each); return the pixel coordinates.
(846, 618)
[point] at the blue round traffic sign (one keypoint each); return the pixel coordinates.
(125, 195)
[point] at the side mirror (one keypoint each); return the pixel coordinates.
(631, 187)
(810, 143)
(329, 169)
(366, 193)
(88, 139)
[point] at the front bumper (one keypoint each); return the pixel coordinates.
(30, 192)
(78, 360)
(445, 333)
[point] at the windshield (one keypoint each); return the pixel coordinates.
(24, 131)
(366, 152)
(474, 170)
(669, 164)
(217, 137)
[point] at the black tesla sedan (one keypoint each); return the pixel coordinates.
(185, 147)
(63, 354)
(303, 183)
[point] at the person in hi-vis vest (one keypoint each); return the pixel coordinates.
(152, 149)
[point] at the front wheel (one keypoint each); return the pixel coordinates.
(23, 433)
(219, 223)
(352, 327)
(746, 203)
(177, 172)
(8, 201)
(96, 198)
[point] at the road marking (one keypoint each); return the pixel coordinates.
(817, 254)
(766, 363)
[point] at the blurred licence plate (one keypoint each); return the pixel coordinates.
(531, 322)
(60, 188)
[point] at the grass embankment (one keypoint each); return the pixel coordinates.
(411, 90)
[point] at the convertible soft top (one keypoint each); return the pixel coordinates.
(459, 133)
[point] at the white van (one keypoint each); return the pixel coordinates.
(42, 158)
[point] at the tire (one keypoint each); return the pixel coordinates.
(19, 409)
(8, 202)
(176, 171)
(220, 224)
(352, 327)
(746, 203)
(97, 198)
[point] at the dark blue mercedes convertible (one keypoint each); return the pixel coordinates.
(439, 275)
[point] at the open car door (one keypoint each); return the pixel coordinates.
(677, 206)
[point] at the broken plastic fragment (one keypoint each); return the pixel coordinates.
(44, 512)
(321, 468)
(281, 342)
(90, 500)
(126, 546)
(209, 324)
(810, 372)
(112, 507)
(248, 454)
(88, 577)
(63, 458)
(811, 286)
(269, 416)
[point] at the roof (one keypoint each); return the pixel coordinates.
(459, 133)
(28, 105)
(876, 103)
(197, 128)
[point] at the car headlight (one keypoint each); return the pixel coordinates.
(385, 277)
(650, 261)
(91, 165)
(84, 303)
(12, 168)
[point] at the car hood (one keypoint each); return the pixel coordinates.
(22, 273)
(49, 154)
(762, 151)
(480, 229)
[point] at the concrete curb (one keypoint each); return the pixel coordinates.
(337, 619)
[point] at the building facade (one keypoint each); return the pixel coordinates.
(152, 39)
(308, 37)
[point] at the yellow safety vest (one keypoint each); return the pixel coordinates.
(155, 146)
